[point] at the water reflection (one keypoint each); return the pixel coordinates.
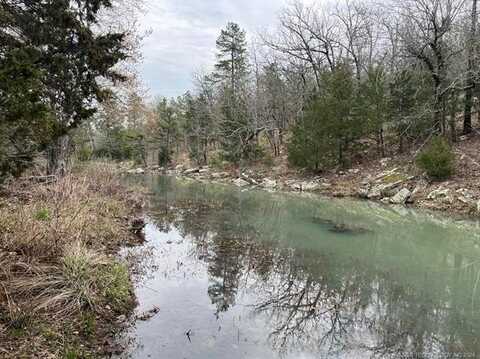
(391, 282)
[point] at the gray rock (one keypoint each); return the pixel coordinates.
(363, 192)
(191, 171)
(218, 175)
(387, 188)
(294, 185)
(325, 185)
(137, 171)
(247, 178)
(375, 192)
(438, 193)
(465, 196)
(417, 192)
(401, 197)
(269, 183)
(465, 200)
(465, 193)
(240, 182)
(311, 186)
(307, 186)
(379, 191)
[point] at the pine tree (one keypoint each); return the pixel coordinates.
(232, 57)
(231, 72)
(330, 126)
(198, 127)
(374, 104)
(167, 131)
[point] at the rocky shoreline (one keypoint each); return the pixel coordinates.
(386, 184)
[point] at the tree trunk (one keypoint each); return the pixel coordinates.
(380, 142)
(401, 146)
(59, 156)
(453, 114)
(439, 110)
(467, 120)
(205, 152)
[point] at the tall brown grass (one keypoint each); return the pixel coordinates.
(57, 243)
(88, 207)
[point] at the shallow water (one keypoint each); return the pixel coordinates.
(252, 274)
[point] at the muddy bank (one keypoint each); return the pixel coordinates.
(64, 291)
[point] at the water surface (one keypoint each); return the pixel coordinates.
(252, 274)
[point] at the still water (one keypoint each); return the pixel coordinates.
(252, 274)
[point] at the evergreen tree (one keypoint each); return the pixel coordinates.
(69, 58)
(410, 93)
(374, 105)
(198, 127)
(330, 126)
(231, 71)
(232, 63)
(167, 131)
(26, 124)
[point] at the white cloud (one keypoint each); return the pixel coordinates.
(184, 34)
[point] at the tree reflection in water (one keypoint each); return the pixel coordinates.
(383, 294)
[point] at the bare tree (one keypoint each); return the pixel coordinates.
(306, 35)
(359, 33)
(426, 27)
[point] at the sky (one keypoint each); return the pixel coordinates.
(183, 35)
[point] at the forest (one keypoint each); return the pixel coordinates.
(330, 84)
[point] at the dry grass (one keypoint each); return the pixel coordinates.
(87, 207)
(56, 246)
(63, 288)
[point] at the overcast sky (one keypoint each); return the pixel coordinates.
(184, 34)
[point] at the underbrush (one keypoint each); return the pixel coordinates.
(57, 262)
(437, 159)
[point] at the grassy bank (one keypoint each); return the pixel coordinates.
(63, 292)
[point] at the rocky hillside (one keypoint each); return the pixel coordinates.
(389, 180)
